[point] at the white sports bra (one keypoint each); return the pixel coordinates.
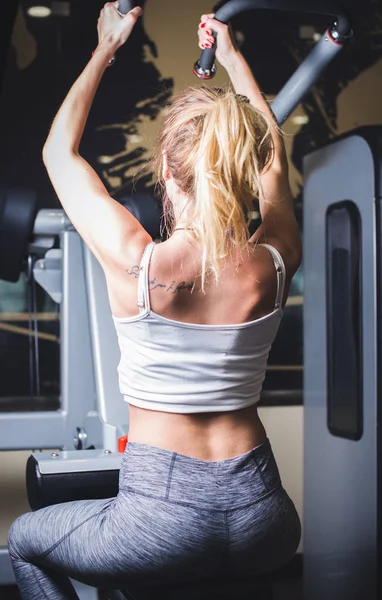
(178, 367)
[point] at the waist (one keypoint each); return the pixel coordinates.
(205, 436)
(230, 483)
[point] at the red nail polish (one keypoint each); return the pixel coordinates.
(203, 25)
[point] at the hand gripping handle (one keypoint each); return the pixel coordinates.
(205, 68)
(124, 6)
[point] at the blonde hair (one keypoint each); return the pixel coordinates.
(216, 145)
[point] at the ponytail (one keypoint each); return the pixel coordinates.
(217, 145)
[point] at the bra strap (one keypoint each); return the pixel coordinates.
(280, 272)
(143, 280)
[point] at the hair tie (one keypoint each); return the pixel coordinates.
(243, 98)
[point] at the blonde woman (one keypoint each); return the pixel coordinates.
(200, 493)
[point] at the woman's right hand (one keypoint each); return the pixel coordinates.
(225, 47)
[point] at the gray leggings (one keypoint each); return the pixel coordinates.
(175, 519)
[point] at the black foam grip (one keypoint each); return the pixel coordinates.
(207, 57)
(126, 6)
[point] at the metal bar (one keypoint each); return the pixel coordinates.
(78, 393)
(230, 9)
(28, 430)
(7, 576)
(51, 222)
(304, 77)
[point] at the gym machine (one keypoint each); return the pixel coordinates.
(92, 413)
(343, 368)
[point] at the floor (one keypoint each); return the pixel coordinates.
(287, 590)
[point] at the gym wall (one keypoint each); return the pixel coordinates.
(44, 58)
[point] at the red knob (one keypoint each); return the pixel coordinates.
(122, 442)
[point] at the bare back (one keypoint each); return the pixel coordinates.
(246, 292)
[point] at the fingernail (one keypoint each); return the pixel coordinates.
(203, 25)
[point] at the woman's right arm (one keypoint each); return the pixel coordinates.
(279, 225)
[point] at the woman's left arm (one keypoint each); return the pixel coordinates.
(104, 224)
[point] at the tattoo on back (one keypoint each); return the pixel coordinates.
(173, 287)
(133, 271)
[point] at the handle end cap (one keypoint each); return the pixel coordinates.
(204, 73)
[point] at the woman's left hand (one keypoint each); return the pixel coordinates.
(115, 28)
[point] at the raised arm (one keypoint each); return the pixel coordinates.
(279, 226)
(104, 224)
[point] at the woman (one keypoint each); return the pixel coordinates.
(200, 493)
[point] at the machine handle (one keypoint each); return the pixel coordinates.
(124, 6)
(205, 68)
